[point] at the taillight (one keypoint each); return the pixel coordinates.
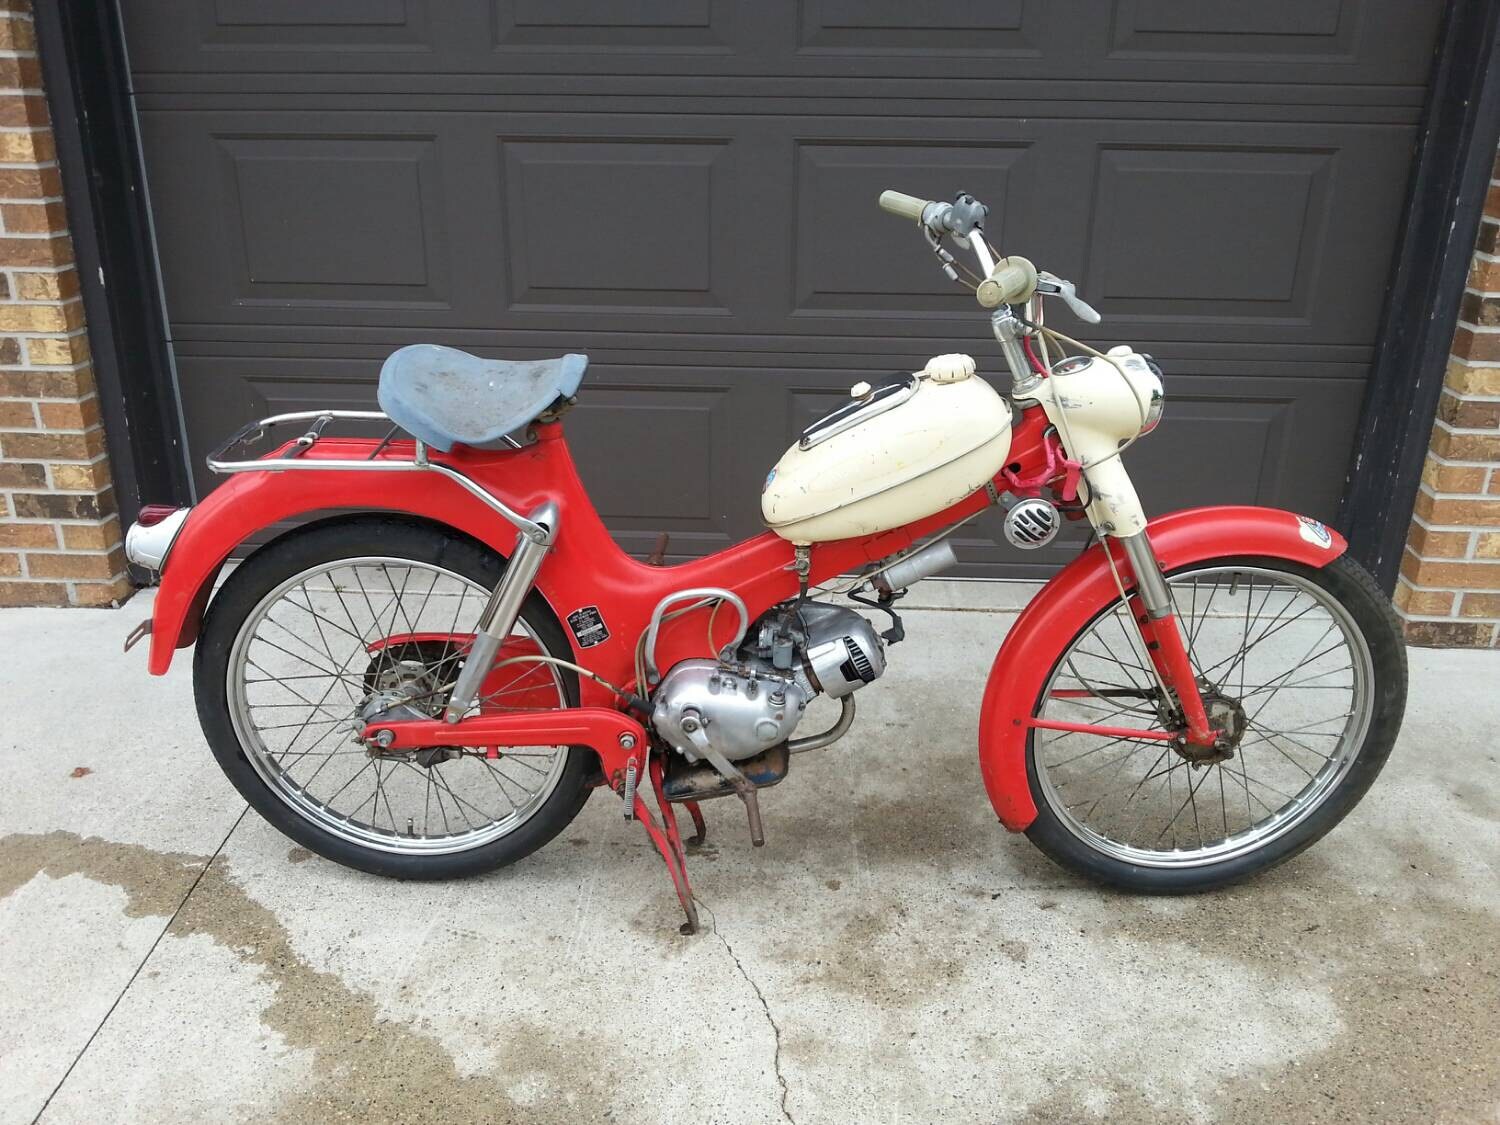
(150, 538)
(152, 514)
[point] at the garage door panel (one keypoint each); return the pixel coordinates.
(755, 224)
(848, 257)
(311, 220)
(1381, 42)
(580, 216)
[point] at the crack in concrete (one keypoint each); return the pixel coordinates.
(759, 995)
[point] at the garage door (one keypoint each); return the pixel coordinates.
(684, 189)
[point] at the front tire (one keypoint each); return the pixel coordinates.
(311, 628)
(1307, 664)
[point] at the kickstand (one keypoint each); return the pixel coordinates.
(700, 828)
(669, 844)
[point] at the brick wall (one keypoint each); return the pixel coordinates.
(1449, 590)
(59, 537)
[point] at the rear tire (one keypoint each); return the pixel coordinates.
(246, 751)
(1061, 828)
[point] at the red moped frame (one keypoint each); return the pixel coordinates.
(586, 568)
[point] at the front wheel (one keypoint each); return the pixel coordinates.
(1303, 669)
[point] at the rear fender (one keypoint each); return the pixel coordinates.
(1085, 587)
(250, 502)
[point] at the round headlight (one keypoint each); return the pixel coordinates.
(1158, 399)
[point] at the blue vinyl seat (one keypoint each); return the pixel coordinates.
(446, 397)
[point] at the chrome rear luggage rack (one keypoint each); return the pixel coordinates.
(294, 459)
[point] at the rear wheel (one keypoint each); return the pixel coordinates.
(325, 627)
(1303, 669)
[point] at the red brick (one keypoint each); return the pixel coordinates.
(1452, 478)
(1448, 634)
(17, 35)
(1468, 344)
(75, 566)
(69, 415)
(33, 593)
(13, 475)
(115, 592)
(16, 415)
(1451, 575)
(93, 477)
(47, 384)
(1424, 603)
(1438, 544)
(1480, 605)
(1488, 545)
(1465, 447)
(56, 251)
(22, 73)
(10, 565)
(91, 537)
(53, 447)
(34, 218)
(1468, 413)
(18, 110)
(28, 535)
(63, 505)
(1462, 379)
(1484, 275)
(1451, 511)
(1476, 309)
(29, 183)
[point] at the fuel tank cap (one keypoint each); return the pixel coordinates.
(949, 368)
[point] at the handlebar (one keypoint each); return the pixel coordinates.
(1010, 281)
(907, 206)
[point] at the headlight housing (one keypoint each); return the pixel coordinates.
(1157, 396)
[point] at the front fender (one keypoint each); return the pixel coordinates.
(250, 502)
(1085, 587)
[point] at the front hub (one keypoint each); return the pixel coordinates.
(1226, 717)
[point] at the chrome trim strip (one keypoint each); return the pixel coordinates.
(822, 430)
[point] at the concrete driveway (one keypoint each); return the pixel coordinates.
(890, 955)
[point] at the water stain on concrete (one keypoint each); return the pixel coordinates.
(1415, 979)
(367, 1066)
(298, 855)
(154, 882)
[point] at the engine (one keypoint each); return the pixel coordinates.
(789, 656)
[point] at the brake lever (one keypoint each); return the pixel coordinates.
(1054, 286)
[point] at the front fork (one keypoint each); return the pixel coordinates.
(1154, 614)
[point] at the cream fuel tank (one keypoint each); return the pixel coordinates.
(893, 454)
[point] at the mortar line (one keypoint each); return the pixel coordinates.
(129, 983)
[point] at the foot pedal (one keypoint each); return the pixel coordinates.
(752, 811)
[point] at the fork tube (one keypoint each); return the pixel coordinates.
(500, 612)
(1163, 636)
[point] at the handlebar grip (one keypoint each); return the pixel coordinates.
(899, 203)
(1012, 282)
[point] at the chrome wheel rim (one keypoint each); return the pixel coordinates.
(311, 655)
(1273, 644)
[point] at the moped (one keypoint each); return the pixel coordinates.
(429, 674)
